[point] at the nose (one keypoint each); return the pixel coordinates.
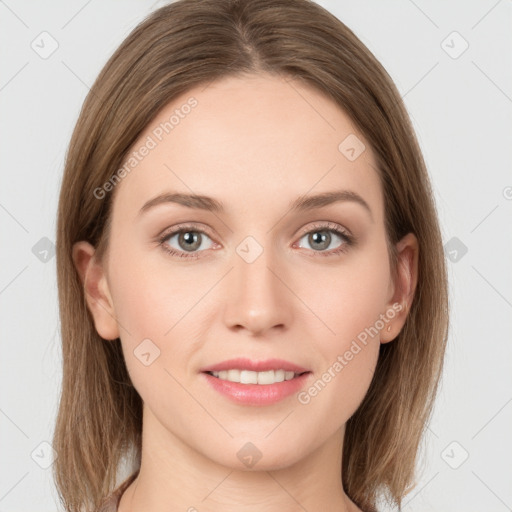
(258, 299)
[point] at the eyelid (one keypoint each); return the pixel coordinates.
(326, 225)
(179, 228)
(204, 229)
(350, 239)
(183, 226)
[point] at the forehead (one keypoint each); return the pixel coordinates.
(250, 141)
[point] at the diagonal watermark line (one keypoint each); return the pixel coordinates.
(503, 407)
(491, 285)
(14, 218)
(334, 334)
(420, 80)
(75, 75)
(312, 187)
(484, 218)
(286, 491)
(491, 490)
(216, 487)
(111, 113)
(199, 403)
(106, 311)
(14, 485)
(193, 192)
(485, 14)
(14, 76)
(280, 423)
(420, 490)
(76, 14)
(492, 81)
(432, 432)
(2, 2)
(289, 83)
(14, 424)
(12, 280)
(201, 298)
(424, 14)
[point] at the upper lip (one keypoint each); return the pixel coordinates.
(242, 363)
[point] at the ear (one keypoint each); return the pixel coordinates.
(403, 287)
(96, 289)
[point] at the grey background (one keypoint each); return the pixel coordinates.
(461, 107)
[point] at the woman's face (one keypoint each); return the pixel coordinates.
(250, 276)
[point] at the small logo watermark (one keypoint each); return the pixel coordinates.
(44, 455)
(249, 454)
(249, 249)
(455, 249)
(146, 352)
(351, 147)
(44, 250)
(454, 45)
(45, 45)
(455, 455)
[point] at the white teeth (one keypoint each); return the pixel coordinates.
(250, 377)
(232, 375)
(279, 375)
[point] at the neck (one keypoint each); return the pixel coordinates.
(175, 477)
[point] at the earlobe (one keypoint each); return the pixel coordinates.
(404, 286)
(96, 290)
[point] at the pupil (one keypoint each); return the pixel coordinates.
(190, 240)
(320, 238)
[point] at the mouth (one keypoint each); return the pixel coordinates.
(263, 378)
(256, 388)
(248, 381)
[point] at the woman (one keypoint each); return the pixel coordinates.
(251, 277)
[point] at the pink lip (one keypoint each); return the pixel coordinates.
(242, 363)
(257, 394)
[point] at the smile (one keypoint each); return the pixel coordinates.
(251, 377)
(256, 388)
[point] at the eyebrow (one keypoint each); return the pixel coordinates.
(301, 204)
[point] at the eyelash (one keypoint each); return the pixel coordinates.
(348, 240)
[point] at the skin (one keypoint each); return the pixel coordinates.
(255, 143)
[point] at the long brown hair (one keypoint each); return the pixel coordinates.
(193, 42)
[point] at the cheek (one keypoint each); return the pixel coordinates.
(151, 306)
(349, 301)
(151, 295)
(336, 392)
(348, 298)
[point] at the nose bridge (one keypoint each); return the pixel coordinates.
(252, 263)
(257, 298)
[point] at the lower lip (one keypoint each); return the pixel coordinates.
(257, 394)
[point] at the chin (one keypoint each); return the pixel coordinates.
(258, 454)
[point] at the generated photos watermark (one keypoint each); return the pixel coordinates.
(304, 397)
(151, 142)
